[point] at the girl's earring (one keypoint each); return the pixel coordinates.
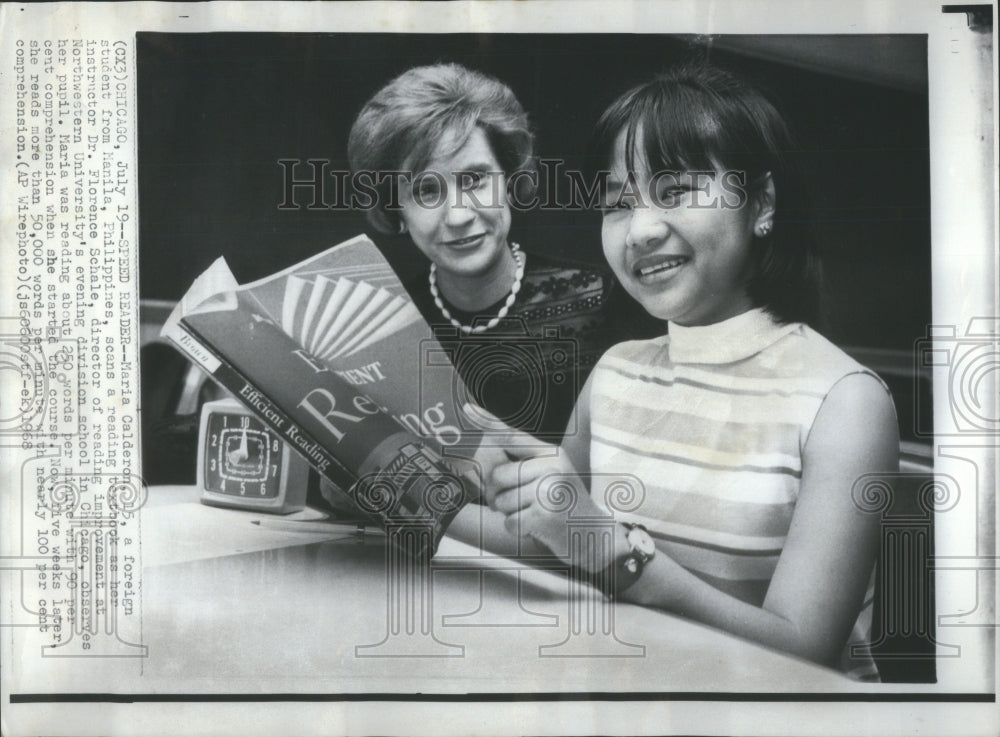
(402, 227)
(764, 229)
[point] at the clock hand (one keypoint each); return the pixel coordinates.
(242, 452)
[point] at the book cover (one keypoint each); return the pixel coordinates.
(331, 353)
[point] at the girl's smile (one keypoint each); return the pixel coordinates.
(657, 268)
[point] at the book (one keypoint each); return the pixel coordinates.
(334, 357)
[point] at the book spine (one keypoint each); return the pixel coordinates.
(271, 414)
(385, 470)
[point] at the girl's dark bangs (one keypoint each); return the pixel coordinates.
(680, 135)
(679, 131)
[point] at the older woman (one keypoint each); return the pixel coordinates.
(452, 148)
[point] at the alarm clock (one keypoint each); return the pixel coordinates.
(242, 463)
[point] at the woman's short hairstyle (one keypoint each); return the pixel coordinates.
(403, 124)
(696, 117)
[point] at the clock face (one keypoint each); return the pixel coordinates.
(242, 458)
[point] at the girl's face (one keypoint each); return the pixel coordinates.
(679, 242)
(456, 209)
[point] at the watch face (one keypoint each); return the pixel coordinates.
(242, 458)
(641, 542)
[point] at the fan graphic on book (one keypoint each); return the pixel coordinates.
(338, 317)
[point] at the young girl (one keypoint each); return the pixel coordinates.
(747, 428)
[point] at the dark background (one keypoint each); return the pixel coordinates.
(217, 112)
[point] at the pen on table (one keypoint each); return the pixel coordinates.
(288, 525)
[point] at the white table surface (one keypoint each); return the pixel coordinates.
(232, 606)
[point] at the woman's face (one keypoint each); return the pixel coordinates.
(456, 209)
(679, 242)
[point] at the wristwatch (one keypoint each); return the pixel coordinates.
(627, 568)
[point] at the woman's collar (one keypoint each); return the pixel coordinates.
(728, 341)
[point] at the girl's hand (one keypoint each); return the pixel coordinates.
(501, 444)
(536, 495)
(534, 485)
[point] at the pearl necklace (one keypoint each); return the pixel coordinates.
(519, 259)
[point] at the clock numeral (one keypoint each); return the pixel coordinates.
(215, 440)
(243, 488)
(245, 421)
(274, 445)
(211, 464)
(263, 488)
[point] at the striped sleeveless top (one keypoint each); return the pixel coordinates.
(713, 420)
